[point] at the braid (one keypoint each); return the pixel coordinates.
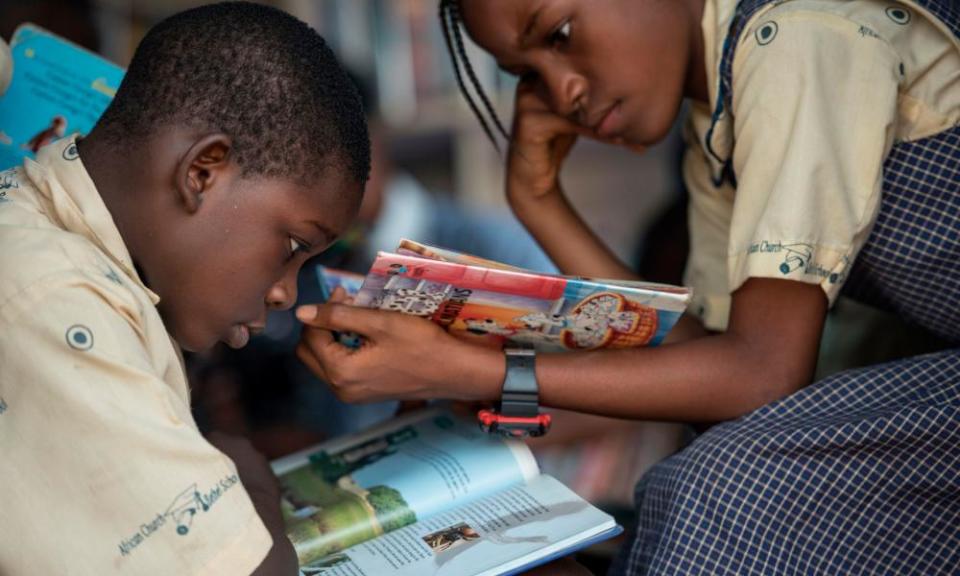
(458, 36)
(449, 23)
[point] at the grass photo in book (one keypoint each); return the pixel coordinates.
(327, 511)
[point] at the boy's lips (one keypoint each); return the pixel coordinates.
(239, 335)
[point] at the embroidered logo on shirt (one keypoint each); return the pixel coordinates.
(899, 15)
(8, 181)
(181, 511)
(79, 337)
(70, 152)
(112, 275)
(3, 406)
(766, 33)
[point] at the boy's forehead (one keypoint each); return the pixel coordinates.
(326, 203)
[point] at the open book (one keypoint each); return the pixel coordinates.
(57, 88)
(502, 304)
(427, 494)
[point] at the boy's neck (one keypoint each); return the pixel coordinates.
(116, 177)
(696, 87)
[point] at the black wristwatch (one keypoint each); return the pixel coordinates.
(519, 414)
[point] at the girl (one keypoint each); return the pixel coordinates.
(823, 156)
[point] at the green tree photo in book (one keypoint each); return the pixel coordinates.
(429, 494)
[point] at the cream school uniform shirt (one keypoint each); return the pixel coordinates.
(102, 468)
(821, 91)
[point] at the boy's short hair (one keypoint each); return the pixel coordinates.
(255, 73)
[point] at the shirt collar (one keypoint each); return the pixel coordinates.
(61, 178)
(715, 24)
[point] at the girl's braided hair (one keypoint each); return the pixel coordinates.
(450, 23)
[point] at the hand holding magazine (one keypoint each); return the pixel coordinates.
(502, 304)
(429, 494)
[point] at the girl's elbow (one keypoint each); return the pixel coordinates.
(771, 387)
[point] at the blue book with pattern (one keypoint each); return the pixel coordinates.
(57, 88)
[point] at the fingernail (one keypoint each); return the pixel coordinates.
(307, 312)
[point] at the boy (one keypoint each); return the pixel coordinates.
(235, 148)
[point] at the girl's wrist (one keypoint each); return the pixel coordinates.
(475, 372)
(528, 205)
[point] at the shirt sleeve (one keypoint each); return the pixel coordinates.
(708, 216)
(814, 103)
(101, 472)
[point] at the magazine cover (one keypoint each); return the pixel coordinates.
(552, 313)
(65, 89)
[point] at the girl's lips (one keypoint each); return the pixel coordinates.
(238, 337)
(610, 124)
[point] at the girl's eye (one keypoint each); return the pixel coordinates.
(561, 35)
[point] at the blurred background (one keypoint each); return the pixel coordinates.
(436, 179)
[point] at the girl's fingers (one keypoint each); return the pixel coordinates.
(542, 127)
(340, 296)
(344, 318)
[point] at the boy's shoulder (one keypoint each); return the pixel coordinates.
(38, 257)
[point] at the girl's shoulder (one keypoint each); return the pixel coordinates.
(922, 48)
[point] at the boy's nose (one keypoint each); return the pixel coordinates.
(283, 294)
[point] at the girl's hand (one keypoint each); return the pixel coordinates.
(540, 142)
(402, 357)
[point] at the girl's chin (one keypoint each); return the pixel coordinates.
(625, 143)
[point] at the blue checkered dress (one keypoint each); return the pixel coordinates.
(858, 473)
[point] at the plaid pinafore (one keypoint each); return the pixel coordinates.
(859, 472)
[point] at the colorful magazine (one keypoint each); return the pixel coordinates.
(427, 494)
(58, 88)
(501, 304)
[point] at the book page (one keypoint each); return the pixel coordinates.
(414, 248)
(57, 88)
(503, 532)
(361, 487)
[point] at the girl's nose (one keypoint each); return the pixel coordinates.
(567, 91)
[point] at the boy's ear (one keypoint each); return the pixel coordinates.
(197, 170)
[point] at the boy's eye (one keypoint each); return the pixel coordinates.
(297, 246)
(561, 35)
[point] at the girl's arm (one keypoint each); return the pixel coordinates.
(539, 145)
(768, 352)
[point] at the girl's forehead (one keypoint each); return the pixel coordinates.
(500, 24)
